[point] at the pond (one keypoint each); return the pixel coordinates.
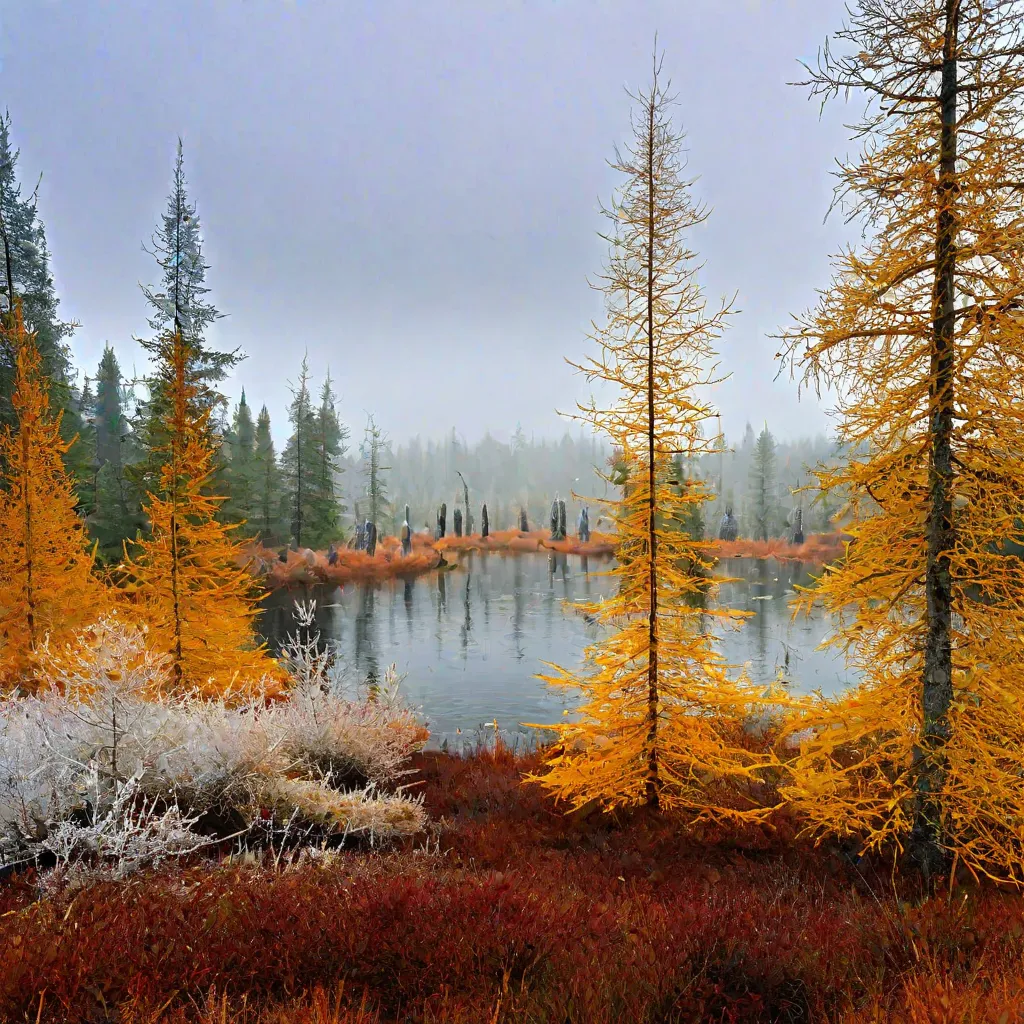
(470, 642)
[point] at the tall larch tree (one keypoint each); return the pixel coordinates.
(267, 475)
(188, 578)
(47, 588)
(299, 459)
(920, 335)
(180, 299)
(660, 721)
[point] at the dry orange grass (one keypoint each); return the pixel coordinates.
(599, 544)
(351, 565)
(818, 548)
(534, 540)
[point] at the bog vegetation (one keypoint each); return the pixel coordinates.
(144, 723)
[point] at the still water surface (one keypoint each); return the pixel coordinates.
(471, 641)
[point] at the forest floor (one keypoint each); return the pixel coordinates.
(513, 911)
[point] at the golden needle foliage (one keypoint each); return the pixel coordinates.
(920, 335)
(47, 589)
(662, 723)
(189, 579)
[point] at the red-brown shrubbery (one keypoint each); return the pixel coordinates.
(387, 561)
(523, 915)
(534, 540)
(818, 549)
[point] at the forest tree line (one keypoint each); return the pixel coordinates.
(328, 475)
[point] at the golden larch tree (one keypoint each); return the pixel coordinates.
(920, 336)
(47, 587)
(661, 722)
(188, 578)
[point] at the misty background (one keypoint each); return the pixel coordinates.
(410, 192)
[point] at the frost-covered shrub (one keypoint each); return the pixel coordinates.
(106, 765)
(133, 833)
(365, 739)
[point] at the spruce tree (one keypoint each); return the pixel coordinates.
(117, 515)
(325, 507)
(25, 275)
(267, 477)
(81, 460)
(179, 303)
(765, 511)
(25, 271)
(239, 446)
(300, 460)
(374, 445)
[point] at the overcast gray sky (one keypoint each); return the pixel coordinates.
(409, 190)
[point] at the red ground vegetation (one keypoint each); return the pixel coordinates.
(523, 914)
(819, 548)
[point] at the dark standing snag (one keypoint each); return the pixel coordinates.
(465, 494)
(798, 527)
(484, 524)
(561, 520)
(554, 519)
(457, 521)
(371, 538)
(729, 528)
(442, 515)
(583, 527)
(406, 535)
(524, 525)
(926, 839)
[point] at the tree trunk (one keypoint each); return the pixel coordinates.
(30, 588)
(652, 536)
(926, 844)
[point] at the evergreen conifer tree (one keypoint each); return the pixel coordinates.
(325, 507)
(267, 477)
(179, 303)
(241, 470)
(765, 512)
(300, 460)
(25, 271)
(117, 516)
(81, 460)
(373, 449)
